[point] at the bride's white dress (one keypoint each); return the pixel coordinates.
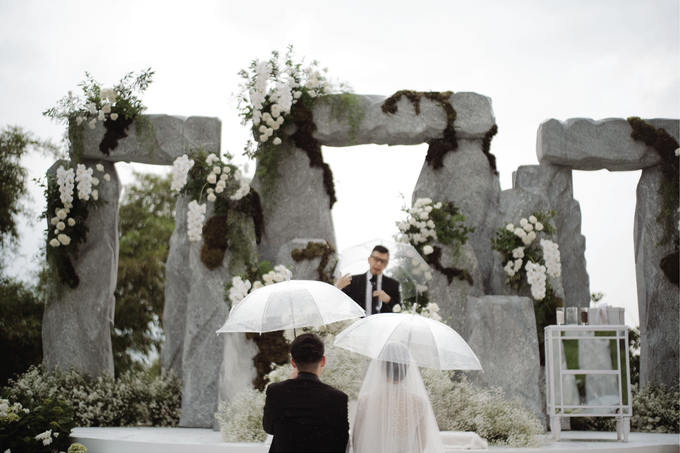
(394, 414)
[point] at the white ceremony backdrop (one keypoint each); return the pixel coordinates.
(536, 60)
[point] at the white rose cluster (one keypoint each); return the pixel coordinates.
(536, 278)
(551, 255)
(180, 171)
(108, 97)
(240, 289)
(431, 310)
(418, 227)
(195, 218)
(527, 229)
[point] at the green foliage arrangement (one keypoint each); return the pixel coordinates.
(428, 224)
(317, 250)
(275, 95)
(21, 313)
(145, 224)
(43, 425)
(667, 148)
(203, 177)
(66, 215)
(135, 398)
(117, 107)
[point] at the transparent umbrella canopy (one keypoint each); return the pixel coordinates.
(405, 265)
(291, 304)
(432, 344)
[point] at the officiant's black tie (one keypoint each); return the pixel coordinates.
(374, 287)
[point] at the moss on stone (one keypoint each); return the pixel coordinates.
(115, 130)
(316, 250)
(303, 139)
(438, 147)
(665, 145)
(272, 348)
(486, 147)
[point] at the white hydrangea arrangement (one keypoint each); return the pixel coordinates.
(526, 257)
(241, 287)
(206, 177)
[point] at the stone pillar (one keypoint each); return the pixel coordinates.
(203, 349)
(501, 330)
(77, 323)
(296, 207)
(177, 287)
(555, 182)
(658, 298)
(452, 297)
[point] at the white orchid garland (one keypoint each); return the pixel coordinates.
(65, 182)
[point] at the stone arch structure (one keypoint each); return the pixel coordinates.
(212, 367)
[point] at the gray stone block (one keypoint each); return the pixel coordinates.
(658, 298)
(586, 144)
(501, 330)
(297, 207)
(76, 330)
(468, 181)
(305, 269)
(555, 182)
(177, 287)
(173, 136)
(452, 297)
(236, 372)
(474, 118)
(203, 351)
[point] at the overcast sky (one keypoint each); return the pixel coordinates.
(535, 59)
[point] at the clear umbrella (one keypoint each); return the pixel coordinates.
(290, 304)
(432, 344)
(405, 265)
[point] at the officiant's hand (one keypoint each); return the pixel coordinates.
(343, 280)
(382, 295)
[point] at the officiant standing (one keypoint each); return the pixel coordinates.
(373, 291)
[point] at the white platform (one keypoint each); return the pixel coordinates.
(182, 440)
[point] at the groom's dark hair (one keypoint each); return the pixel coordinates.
(307, 351)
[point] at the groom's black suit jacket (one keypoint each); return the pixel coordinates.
(357, 291)
(304, 414)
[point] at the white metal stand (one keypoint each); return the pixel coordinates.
(564, 399)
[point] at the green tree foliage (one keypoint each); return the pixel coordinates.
(21, 312)
(15, 143)
(145, 224)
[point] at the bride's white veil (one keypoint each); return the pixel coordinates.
(394, 413)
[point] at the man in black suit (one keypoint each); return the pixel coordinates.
(375, 292)
(303, 413)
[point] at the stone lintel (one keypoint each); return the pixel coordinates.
(586, 144)
(173, 136)
(474, 118)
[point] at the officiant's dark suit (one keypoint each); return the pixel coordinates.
(357, 291)
(304, 414)
(385, 290)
